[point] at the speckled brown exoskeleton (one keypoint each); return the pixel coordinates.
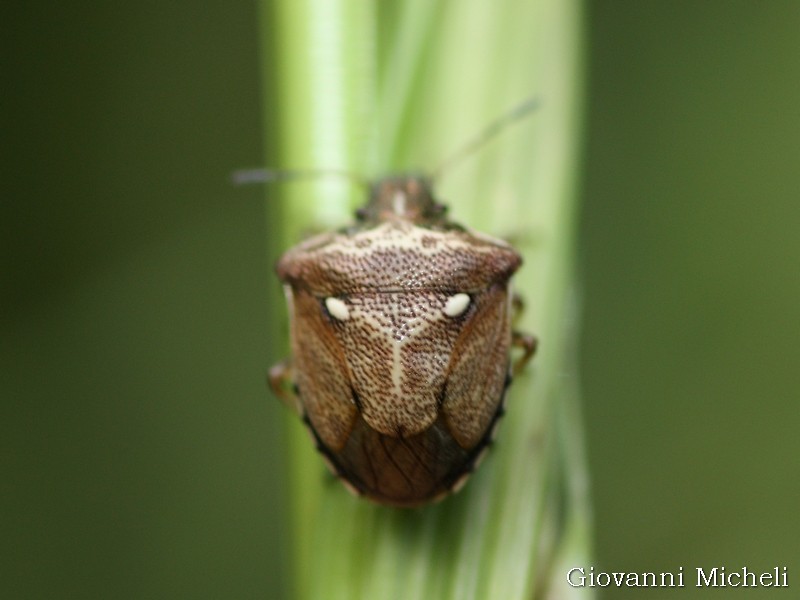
(401, 335)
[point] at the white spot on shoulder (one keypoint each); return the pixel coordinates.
(337, 308)
(456, 305)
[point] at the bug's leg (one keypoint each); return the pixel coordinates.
(281, 382)
(517, 307)
(521, 340)
(528, 345)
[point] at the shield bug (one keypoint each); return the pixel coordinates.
(401, 333)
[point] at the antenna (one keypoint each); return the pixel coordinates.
(487, 134)
(248, 176)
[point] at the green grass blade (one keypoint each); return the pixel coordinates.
(377, 87)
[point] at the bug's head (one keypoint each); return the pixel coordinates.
(402, 198)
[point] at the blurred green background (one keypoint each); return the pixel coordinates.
(141, 454)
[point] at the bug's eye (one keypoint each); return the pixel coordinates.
(456, 305)
(337, 308)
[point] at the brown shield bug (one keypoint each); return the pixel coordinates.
(401, 332)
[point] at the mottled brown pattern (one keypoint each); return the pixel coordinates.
(393, 256)
(321, 371)
(400, 396)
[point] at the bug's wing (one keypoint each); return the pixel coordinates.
(478, 368)
(323, 377)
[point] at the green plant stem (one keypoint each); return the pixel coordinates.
(373, 88)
